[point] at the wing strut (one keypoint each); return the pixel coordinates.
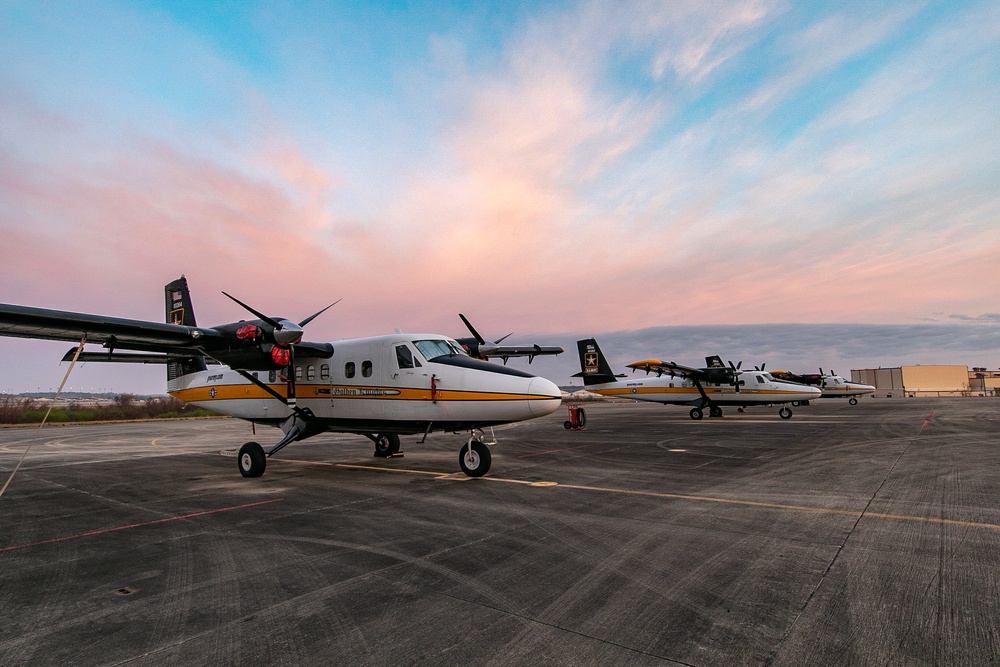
(69, 370)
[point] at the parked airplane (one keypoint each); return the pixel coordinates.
(480, 348)
(379, 387)
(711, 387)
(832, 385)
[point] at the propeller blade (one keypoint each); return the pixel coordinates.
(260, 316)
(472, 330)
(763, 366)
(315, 315)
(500, 340)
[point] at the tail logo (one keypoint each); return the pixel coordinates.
(590, 362)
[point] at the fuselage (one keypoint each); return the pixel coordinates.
(756, 388)
(400, 383)
(835, 386)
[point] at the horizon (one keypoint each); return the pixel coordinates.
(542, 167)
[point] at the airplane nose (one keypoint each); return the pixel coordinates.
(545, 397)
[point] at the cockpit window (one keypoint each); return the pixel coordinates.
(438, 348)
(404, 357)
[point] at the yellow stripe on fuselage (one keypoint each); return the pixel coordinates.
(345, 392)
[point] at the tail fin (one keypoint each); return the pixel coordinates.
(180, 311)
(594, 368)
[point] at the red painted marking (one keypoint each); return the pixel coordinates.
(552, 451)
(140, 525)
(928, 420)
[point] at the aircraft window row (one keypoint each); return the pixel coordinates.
(350, 369)
(438, 348)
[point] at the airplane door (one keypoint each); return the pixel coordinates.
(409, 374)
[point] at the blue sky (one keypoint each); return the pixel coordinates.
(555, 167)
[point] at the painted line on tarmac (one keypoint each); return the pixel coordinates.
(460, 477)
(103, 531)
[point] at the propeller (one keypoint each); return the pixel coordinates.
(484, 348)
(285, 334)
(736, 374)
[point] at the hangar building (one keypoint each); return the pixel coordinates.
(917, 381)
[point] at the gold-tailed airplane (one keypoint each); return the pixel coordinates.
(262, 371)
(701, 388)
(832, 385)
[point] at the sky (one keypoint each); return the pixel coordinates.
(816, 183)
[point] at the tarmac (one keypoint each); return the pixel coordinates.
(863, 535)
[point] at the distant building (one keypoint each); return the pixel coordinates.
(985, 382)
(931, 380)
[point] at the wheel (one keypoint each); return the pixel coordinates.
(567, 424)
(251, 460)
(386, 444)
(581, 417)
(795, 404)
(785, 413)
(696, 413)
(853, 401)
(475, 462)
(715, 411)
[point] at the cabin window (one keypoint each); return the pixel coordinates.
(324, 372)
(272, 376)
(349, 369)
(298, 373)
(310, 373)
(404, 357)
(366, 368)
(760, 380)
(254, 374)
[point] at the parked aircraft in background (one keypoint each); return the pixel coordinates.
(832, 385)
(712, 387)
(379, 387)
(480, 348)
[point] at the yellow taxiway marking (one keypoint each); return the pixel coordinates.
(460, 477)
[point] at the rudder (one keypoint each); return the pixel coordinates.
(594, 368)
(180, 311)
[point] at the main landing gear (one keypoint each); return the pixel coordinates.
(713, 411)
(785, 412)
(386, 444)
(252, 460)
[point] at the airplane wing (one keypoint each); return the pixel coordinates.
(119, 333)
(717, 375)
(665, 368)
(524, 350)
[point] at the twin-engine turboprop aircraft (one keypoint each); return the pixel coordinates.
(480, 348)
(711, 387)
(832, 385)
(379, 387)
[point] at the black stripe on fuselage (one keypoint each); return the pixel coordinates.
(477, 364)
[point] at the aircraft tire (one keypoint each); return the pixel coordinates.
(581, 417)
(853, 401)
(475, 463)
(386, 444)
(696, 413)
(795, 404)
(715, 411)
(785, 413)
(567, 424)
(251, 460)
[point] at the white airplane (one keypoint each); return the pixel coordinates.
(379, 387)
(832, 385)
(674, 384)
